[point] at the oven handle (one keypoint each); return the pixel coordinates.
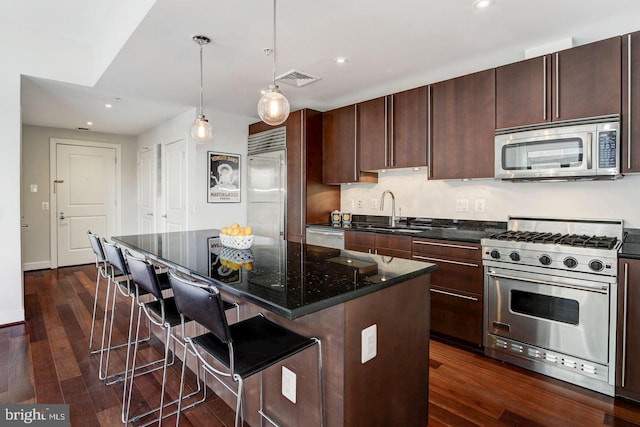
(451, 294)
(597, 289)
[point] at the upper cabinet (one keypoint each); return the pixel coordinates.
(576, 83)
(339, 146)
(630, 103)
(462, 127)
(392, 131)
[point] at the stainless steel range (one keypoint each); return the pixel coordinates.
(550, 298)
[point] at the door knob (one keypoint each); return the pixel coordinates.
(62, 216)
(150, 214)
(164, 216)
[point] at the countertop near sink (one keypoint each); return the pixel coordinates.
(440, 229)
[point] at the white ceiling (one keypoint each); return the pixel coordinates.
(391, 46)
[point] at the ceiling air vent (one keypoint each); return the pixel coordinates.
(296, 78)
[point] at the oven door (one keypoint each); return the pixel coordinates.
(565, 315)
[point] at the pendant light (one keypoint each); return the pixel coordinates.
(201, 130)
(273, 107)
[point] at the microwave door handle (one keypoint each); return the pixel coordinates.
(589, 150)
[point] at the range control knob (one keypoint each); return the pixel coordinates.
(545, 260)
(596, 265)
(515, 256)
(495, 254)
(570, 262)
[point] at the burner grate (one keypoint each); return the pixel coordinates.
(582, 240)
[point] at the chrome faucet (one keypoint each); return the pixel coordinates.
(392, 220)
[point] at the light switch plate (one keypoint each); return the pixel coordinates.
(289, 384)
(369, 343)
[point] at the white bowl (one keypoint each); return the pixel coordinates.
(236, 242)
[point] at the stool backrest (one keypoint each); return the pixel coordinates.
(144, 275)
(96, 246)
(201, 303)
(114, 256)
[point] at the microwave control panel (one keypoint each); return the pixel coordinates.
(607, 149)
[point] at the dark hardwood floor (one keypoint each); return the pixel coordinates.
(46, 360)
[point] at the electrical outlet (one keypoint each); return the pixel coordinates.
(352, 203)
(374, 203)
(479, 205)
(369, 343)
(462, 205)
(45, 206)
(289, 384)
(359, 204)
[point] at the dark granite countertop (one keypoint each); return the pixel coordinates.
(287, 278)
(631, 246)
(440, 229)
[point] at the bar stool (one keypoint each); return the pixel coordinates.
(243, 349)
(160, 311)
(122, 286)
(102, 273)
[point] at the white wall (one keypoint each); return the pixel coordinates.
(35, 170)
(229, 136)
(417, 196)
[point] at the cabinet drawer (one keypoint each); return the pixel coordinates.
(359, 238)
(444, 248)
(454, 273)
(388, 241)
(456, 315)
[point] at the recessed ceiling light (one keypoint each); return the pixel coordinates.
(108, 105)
(341, 60)
(89, 123)
(482, 4)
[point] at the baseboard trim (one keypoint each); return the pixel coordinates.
(30, 266)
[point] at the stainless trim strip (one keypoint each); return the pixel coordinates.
(629, 102)
(446, 261)
(386, 131)
(624, 323)
(589, 150)
(355, 144)
(429, 165)
(557, 85)
(544, 87)
(338, 234)
(451, 294)
(446, 245)
(601, 289)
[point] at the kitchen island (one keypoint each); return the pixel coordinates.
(331, 294)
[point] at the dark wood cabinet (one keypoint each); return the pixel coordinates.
(378, 243)
(408, 130)
(456, 288)
(630, 135)
(628, 327)
(392, 131)
(463, 127)
(576, 83)
(340, 161)
(308, 199)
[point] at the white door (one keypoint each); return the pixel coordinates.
(146, 192)
(175, 186)
(85, 192)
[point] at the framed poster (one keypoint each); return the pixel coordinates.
(224, 177)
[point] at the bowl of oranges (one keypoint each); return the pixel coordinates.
(236, 237)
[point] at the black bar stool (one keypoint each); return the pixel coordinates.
(160, 311)
(102, 273)
(243, 349)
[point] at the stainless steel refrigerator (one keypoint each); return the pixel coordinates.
(266, 182)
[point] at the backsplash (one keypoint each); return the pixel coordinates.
(493, 200)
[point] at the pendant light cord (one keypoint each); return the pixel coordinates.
(201, 91)
(274, 43)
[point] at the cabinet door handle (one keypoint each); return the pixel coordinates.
(355, 144)
(446, 245)
(451, 294)
(429, 165)
(624, 323)
(392, 136)
(386, 131)
(629, 102)
(446, 261)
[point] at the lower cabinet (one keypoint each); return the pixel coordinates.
(456, 288)
(628, 339)
(378, 243)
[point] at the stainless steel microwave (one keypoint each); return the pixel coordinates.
(561, 151)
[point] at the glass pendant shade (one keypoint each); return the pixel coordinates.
(273, 107)
(201, 129)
